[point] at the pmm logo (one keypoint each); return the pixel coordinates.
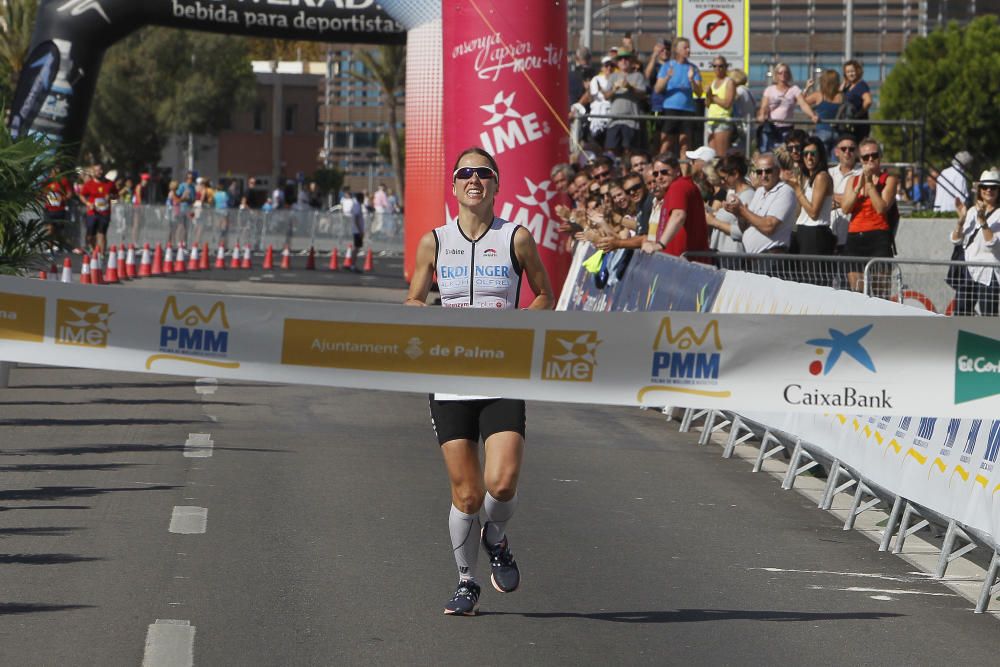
(180, 331)
(674, 359)
(570, 356)
(82, 323)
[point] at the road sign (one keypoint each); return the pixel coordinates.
(716, 28)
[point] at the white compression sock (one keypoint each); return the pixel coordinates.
(464, 529)
(498, 513)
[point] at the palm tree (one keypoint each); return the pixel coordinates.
(385, 66)
(17, 23)
(25, 163)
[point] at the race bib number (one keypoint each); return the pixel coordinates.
(100, 204)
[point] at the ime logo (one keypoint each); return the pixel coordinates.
(840, 344)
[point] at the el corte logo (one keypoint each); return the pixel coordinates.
(22, 317)
(191, 332)
(82, 323)
(977, 367)
(570, 356)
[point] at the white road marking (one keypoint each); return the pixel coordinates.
(198, 446)
(891, 591)
(188, 520)
(918, 576)
(880, 597)
(206, 386)
(169, 643)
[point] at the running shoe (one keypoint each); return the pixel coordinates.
(465, 601)
(505, 575)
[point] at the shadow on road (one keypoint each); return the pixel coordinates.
(60, 492)
(96, 422)
(40, 531)
(51, 467)
(44, 559)
(130, 401)
(77, 450)
(7, 608)
(700, 615)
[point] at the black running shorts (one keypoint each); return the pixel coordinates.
(468, 420)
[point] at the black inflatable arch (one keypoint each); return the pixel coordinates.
(57, 84)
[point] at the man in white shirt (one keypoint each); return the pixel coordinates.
(952, 183)
(846, 168)
(772, 212)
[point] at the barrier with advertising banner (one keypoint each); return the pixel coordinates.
(945, 462)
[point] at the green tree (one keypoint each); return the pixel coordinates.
(950, 79)
(24, 165)
(385, 66)
(17, 23)
(159, 82)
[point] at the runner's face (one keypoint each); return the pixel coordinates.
(475, 191)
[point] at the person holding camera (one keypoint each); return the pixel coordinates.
(978, 232)
(870, 200)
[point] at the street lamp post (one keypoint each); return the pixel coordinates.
(589, 15)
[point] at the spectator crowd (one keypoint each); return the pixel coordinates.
(666, 166)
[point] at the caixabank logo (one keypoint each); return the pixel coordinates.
(686, 360)
(838, 351)
(570, 356)
(977, 367)
(83, 323)
(191, 335)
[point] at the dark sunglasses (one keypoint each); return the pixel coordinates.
(847, 149)
(762, 172)
(465, 173)
(867, 157)
(794, 148)
(992, 186)
(662, 172)
(639, 186)
(602, 174)
(718, 66)
(810, 154)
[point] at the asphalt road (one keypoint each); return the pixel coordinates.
(325, 542)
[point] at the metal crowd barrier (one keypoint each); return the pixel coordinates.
(299, 229)
(919, 283)
(904, 516)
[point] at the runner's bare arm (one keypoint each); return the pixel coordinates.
(423, 273)
(527, 256)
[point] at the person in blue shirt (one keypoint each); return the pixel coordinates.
(679, 81)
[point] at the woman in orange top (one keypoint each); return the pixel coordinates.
(871, 200)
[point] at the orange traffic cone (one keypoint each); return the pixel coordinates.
(121, 262)
(269, 258)
(247, 261)
(194, 261)
(67, 271)
(111, 275)
(130, 262)
(96, 275)
(286, 258)
(85, 271)
(203, 262)
(168, 260)
(235, 264)
(369, 264)
(220, 256)
(333, 259)
(311, 259)
(349, 258)
(179, 265)
(145, 269)
(157, 268)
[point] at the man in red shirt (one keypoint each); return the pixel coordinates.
(97, 194)
(57, 193)
(682, 225)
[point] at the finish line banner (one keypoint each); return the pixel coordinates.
(809, 364)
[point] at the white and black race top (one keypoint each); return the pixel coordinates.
(477, 273)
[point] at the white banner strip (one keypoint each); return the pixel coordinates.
(809, 364)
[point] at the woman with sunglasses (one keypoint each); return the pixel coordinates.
(719, 97)
(978, 231)
(870, 199)
(509, 253)
(813, 189)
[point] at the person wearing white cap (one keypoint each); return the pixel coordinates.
(600, 88)
(699, 157)
(952, 183)
(978, 232)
